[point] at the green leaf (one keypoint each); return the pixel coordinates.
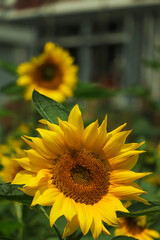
(139, 209)
(48, 108)
(123, 238)
(137, 91)
(13, 193)
(8, 67)
(12, 88)
(7, 227)
(90, 90)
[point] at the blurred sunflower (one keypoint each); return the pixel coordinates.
(9, 151)
(82, 172)
(136, 227)
(9, 166)
(154, 179)
(52, 74)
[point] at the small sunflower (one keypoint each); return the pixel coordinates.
(10, 167)
(136, 227)
(52, 74)
(11, 150)
(82, 172)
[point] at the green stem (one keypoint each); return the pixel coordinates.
(57, 231)
(18, 208)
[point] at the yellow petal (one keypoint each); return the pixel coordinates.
(112, 133)
(96, 226)
(125, 192)
(53, 127)
(119, 231)
(43, 175)
(124, 160)
(90, 135)
(75, 118)
(25, 177)
(27, 164)
(66, 90)
(85, 217)
(57, 209)
(125, 176)
(52, 141)
(49, 46)
(71, 137)
(25, 68)
(105, 230)
(137, 198)
(143, 236)
(69, 208)
(102, 136)
(153, 233)
(37, 159)
(38, 145)
(45, 196)
(115, 143)
(29, 190)
(53, 94)
(107, 212)
(110, 200)
(28, 92)
(24, 80)
(71, 227)
(131, 146)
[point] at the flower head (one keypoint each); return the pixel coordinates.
(12, 149)
(52, 74)
(9, 166)
(82, 172)
(136, 227)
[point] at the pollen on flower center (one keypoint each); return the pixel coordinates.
(81, 175)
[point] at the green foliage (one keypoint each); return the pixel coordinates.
(3, 238)
(155, 64)
(48, 108)
(4, 112)
(137, 91)
(12, 89)
(8, 67)
(139, 209)
(13, 193)
(88, 90)
(7, 227)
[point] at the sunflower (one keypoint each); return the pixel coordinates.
(12, 149)
(52, 74)
(136, 227)
(83, 173)
(10, 167)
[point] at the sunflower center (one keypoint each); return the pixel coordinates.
(135, 225)
(48, 72)
(81, 175)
